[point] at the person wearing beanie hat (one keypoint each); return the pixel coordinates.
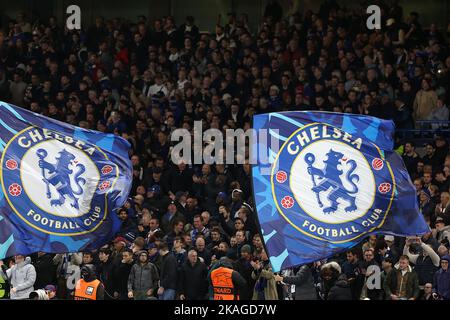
(244, 267)
(143, 279)
(89, 287)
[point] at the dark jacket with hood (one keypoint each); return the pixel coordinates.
(89, 269)
(143, 277)
(441, 282)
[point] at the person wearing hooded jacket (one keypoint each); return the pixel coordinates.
(441, 281)
(89, 287)
(22, 276)
(143, 279)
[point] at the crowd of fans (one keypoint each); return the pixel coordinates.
(144, 79)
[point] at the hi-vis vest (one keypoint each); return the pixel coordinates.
(2, 287)
(86, 290)
(222, 283)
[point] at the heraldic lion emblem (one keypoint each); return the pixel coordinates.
(59, 174)
(330, 177)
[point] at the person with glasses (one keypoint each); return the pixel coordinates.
(427, 292)
(441, 281)
(369, 268)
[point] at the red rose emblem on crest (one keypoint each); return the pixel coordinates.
(15, 190)
(107, 169)
(287, 202)
(11, 164)
(281, 176)
(385, 187)
(104, 185)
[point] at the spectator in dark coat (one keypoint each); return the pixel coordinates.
(202, 251)
(45, 270)
(244, 267)
(193, 284)
(402, 282)
(168, 273)
(179, 179)
(128, 226)
(105, 272)
(303, 281)
(120, 275)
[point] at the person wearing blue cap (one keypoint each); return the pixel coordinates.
(156, 200)
(51, 291)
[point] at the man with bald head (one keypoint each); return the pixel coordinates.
(202, 251)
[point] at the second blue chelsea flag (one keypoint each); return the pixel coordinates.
(332, 180)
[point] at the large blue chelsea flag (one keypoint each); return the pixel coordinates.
(330, 181)
(60, 185)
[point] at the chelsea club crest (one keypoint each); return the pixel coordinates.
(55, 183)
(335, 187)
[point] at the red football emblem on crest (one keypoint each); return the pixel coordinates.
(11, 164)
(287, 202)
(281, 176)
(104, 185)
(15, 190)
(384, 187)
(377, 164)
(107, 169)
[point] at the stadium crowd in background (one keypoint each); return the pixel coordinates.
(184, 223)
